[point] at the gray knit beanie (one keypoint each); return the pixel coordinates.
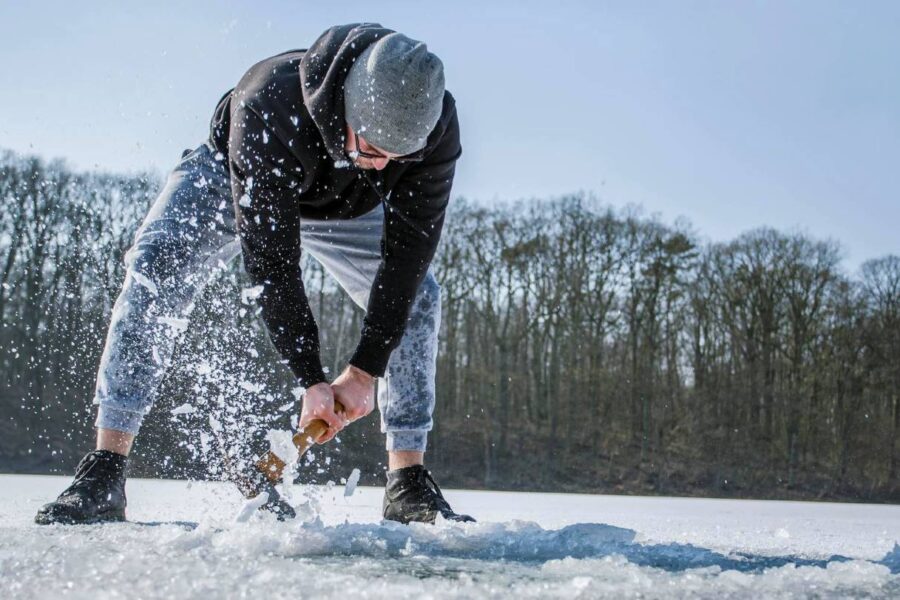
(394, 93)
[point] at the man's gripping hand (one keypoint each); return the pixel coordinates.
(355, 389)
(318, 403)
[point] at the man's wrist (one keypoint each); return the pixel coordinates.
(361, 374)
(308, 370)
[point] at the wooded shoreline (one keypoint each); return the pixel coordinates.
(583, 348)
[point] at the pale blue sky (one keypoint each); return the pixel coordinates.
(731, 114)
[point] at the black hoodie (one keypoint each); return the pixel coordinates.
(282, 128)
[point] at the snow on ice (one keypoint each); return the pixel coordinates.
(183, 541)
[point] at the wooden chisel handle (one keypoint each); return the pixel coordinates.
(273, 467)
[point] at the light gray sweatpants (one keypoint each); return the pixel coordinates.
(186, 235)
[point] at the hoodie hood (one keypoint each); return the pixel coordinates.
(322, 72)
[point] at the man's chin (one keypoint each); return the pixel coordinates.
(364, 164)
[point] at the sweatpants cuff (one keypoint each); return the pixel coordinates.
(415, 440)
(127, 421)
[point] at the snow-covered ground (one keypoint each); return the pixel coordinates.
(183, 541)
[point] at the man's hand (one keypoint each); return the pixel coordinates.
(318, 403)
(355, 389)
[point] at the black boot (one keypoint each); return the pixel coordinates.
(254, 483)
(411, 494)
(96, 495)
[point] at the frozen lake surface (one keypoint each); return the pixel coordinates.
(183, 542)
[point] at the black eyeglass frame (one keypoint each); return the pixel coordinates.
(410, 158)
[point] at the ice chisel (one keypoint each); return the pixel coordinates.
(272, 466)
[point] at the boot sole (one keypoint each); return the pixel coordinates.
(110, 516)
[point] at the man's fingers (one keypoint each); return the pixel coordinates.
(333, 420)
(326, 436)
(355, 412)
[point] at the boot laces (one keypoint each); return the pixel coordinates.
(87, 473)
(437, 497)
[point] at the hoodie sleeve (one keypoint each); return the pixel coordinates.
(408, 246)
(268, 226)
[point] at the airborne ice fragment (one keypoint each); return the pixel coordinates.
(250, 387)
(341, 164)
(146, 282)
(250, 294)
(174, 322)
(244, 201)
(265, 137)
(250, 507)
(184, 409)
(351, 483)
(215, 424)
(281, 444)
(204, 368)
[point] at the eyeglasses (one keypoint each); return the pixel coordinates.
(398, 159)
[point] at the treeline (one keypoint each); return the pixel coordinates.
(583, 348)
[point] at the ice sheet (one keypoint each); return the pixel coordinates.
(183, 542)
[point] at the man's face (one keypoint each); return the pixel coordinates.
(366, 156)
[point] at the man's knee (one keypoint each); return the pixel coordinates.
(426, 310)
(430, 292)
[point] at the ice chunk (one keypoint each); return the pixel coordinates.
(250, 507)
(281, 444)
(204, 368)
(351, 483)
(244, 201)
(146, 282)
(250, 294)
(250, 387)
(175, 323)
(215, 424)
(184, 409)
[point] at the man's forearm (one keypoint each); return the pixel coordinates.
(292, 327)
(390, 301)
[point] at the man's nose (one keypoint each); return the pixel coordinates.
(380, 163)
